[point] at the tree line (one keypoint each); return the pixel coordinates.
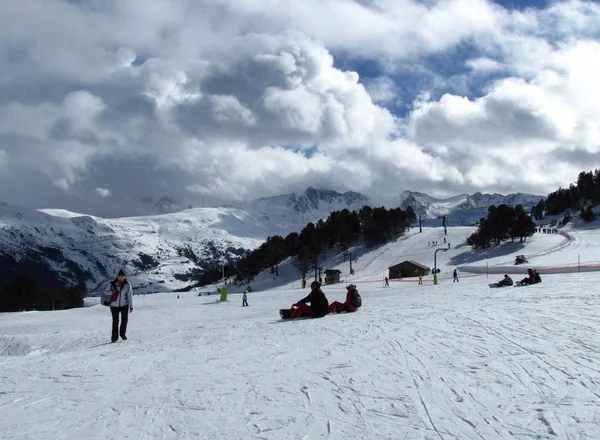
(502, 223)
(339, 231)
(25, 294)
(581, 196)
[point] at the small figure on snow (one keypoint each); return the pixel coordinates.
(455, 276)
(506, 281)
(420, 280)
(353, 301)
(121, 304)
(319, 304)
(245, 298)
(533, 278)
(387, 282)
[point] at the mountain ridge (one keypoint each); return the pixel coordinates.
(169, 251)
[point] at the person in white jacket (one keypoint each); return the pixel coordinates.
(121, 303)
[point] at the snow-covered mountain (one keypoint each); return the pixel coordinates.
(160, 252)
(463, 209)
(171, 251)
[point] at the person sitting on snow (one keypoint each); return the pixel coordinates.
(506, 281)
(530, 279)
(318, 304)
(348, 306)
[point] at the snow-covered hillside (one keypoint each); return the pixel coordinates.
(168, 252)
(160, 252)
(447, 361)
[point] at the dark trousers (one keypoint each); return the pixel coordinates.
(124, 311)
(244, 303)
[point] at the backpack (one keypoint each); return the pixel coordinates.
(105, 299)
(355, 298)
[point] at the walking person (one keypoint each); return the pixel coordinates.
(420, 280)
(244, 299)
(387, 282)
(455, 276)
(121, 304)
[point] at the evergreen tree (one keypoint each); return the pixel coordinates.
(523, 226)
(304, 261)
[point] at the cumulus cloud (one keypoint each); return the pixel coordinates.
(249, 98)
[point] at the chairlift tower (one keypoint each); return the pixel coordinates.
(444, 249)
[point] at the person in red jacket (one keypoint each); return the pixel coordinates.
(338, 307)
(318, 307)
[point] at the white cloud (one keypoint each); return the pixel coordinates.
(483, 64)
(245, 98)
(382, 90)
(103, 192)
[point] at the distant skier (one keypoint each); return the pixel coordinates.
(244, 299)
(455, 276)
(121, 303)
(420, 280)
(387, 282)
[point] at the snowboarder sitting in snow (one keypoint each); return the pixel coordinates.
(352, 302)
(318, 304)
(531, 279)
(506, 281)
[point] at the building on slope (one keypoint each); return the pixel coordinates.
(332, 276)
(408, 269)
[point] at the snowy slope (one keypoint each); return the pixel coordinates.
(447, 361)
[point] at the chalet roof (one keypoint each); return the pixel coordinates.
(414, 263)
(333, 271)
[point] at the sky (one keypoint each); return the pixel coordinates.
(104, 104)
(446, 361)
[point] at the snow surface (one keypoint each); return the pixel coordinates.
(446, 361)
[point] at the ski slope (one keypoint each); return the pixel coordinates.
(446, 361)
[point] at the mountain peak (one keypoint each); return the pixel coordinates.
(312, 200)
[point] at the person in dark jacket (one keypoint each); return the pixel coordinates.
(318, 307)
(529, 279)
(338, 307)
(506, 281)
(121, 303)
